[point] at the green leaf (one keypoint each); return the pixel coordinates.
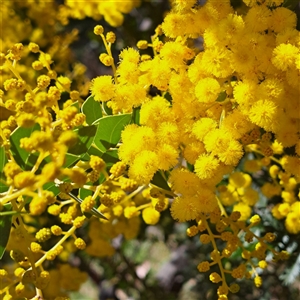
(109, 130)
(159, 181)
(83, 193)
(110, 157)
(3, 161)
(222, 96)
(290, 4)
(86, 136)
(97, 138)
(71, 160)
(5, 225)
(92, 110)
(76, 104)
(23, 158)
(52, 187)
(136, 115)
(107, 109)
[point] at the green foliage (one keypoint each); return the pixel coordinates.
(3, 161)
(92, 110)
(5, 226)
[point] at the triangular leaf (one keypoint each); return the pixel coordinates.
(71, 160)
(83, 193)
(92, 110)
(5, 225)
(23, 158)
(109, 130)
(159, 181)
(110, 157)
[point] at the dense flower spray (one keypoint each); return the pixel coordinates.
(225, 108)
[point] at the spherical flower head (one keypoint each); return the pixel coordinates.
(97, 163)
(33, 47)
(168, 132)
(80, 244)
(110, 36)
(187, 208)
(79, 221)
(175, 54)
(167, 157)
(282, 18)
(24, 179)
(159, 73)
(240, 179)
(118, 169)
(142, 44)
(106, 59)
(269, 237)
(131, 212)
(63, 83)
(192, 231)
(56, 230)
(54, 210)
(144, 166)
(130, 55)
(87, 204)
(43, 81)
(245, 92)
(174, 24)
(150, 216)
(264, 113)
(77, 175)
(38, 205)
(66, 218)
(217, 141)
(203, 126)
(155, 112)
(98, 29)
(258, 18)
(192, 151)
(258, 281)
(215, 277)
(203, 266)
(184, 182)
(291, 164)
(292, 222)
(206, 165)
(207, 90)
(255, 220)
(205, 238)
(284, 56)
(102, 88)
(237, 124)
(239, 272)
(244, 209)
(232, 154)
(182, 5)
(43, 235)
(217, 62)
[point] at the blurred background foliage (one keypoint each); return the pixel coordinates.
(160, 262)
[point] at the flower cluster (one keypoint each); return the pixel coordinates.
(207, 127)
